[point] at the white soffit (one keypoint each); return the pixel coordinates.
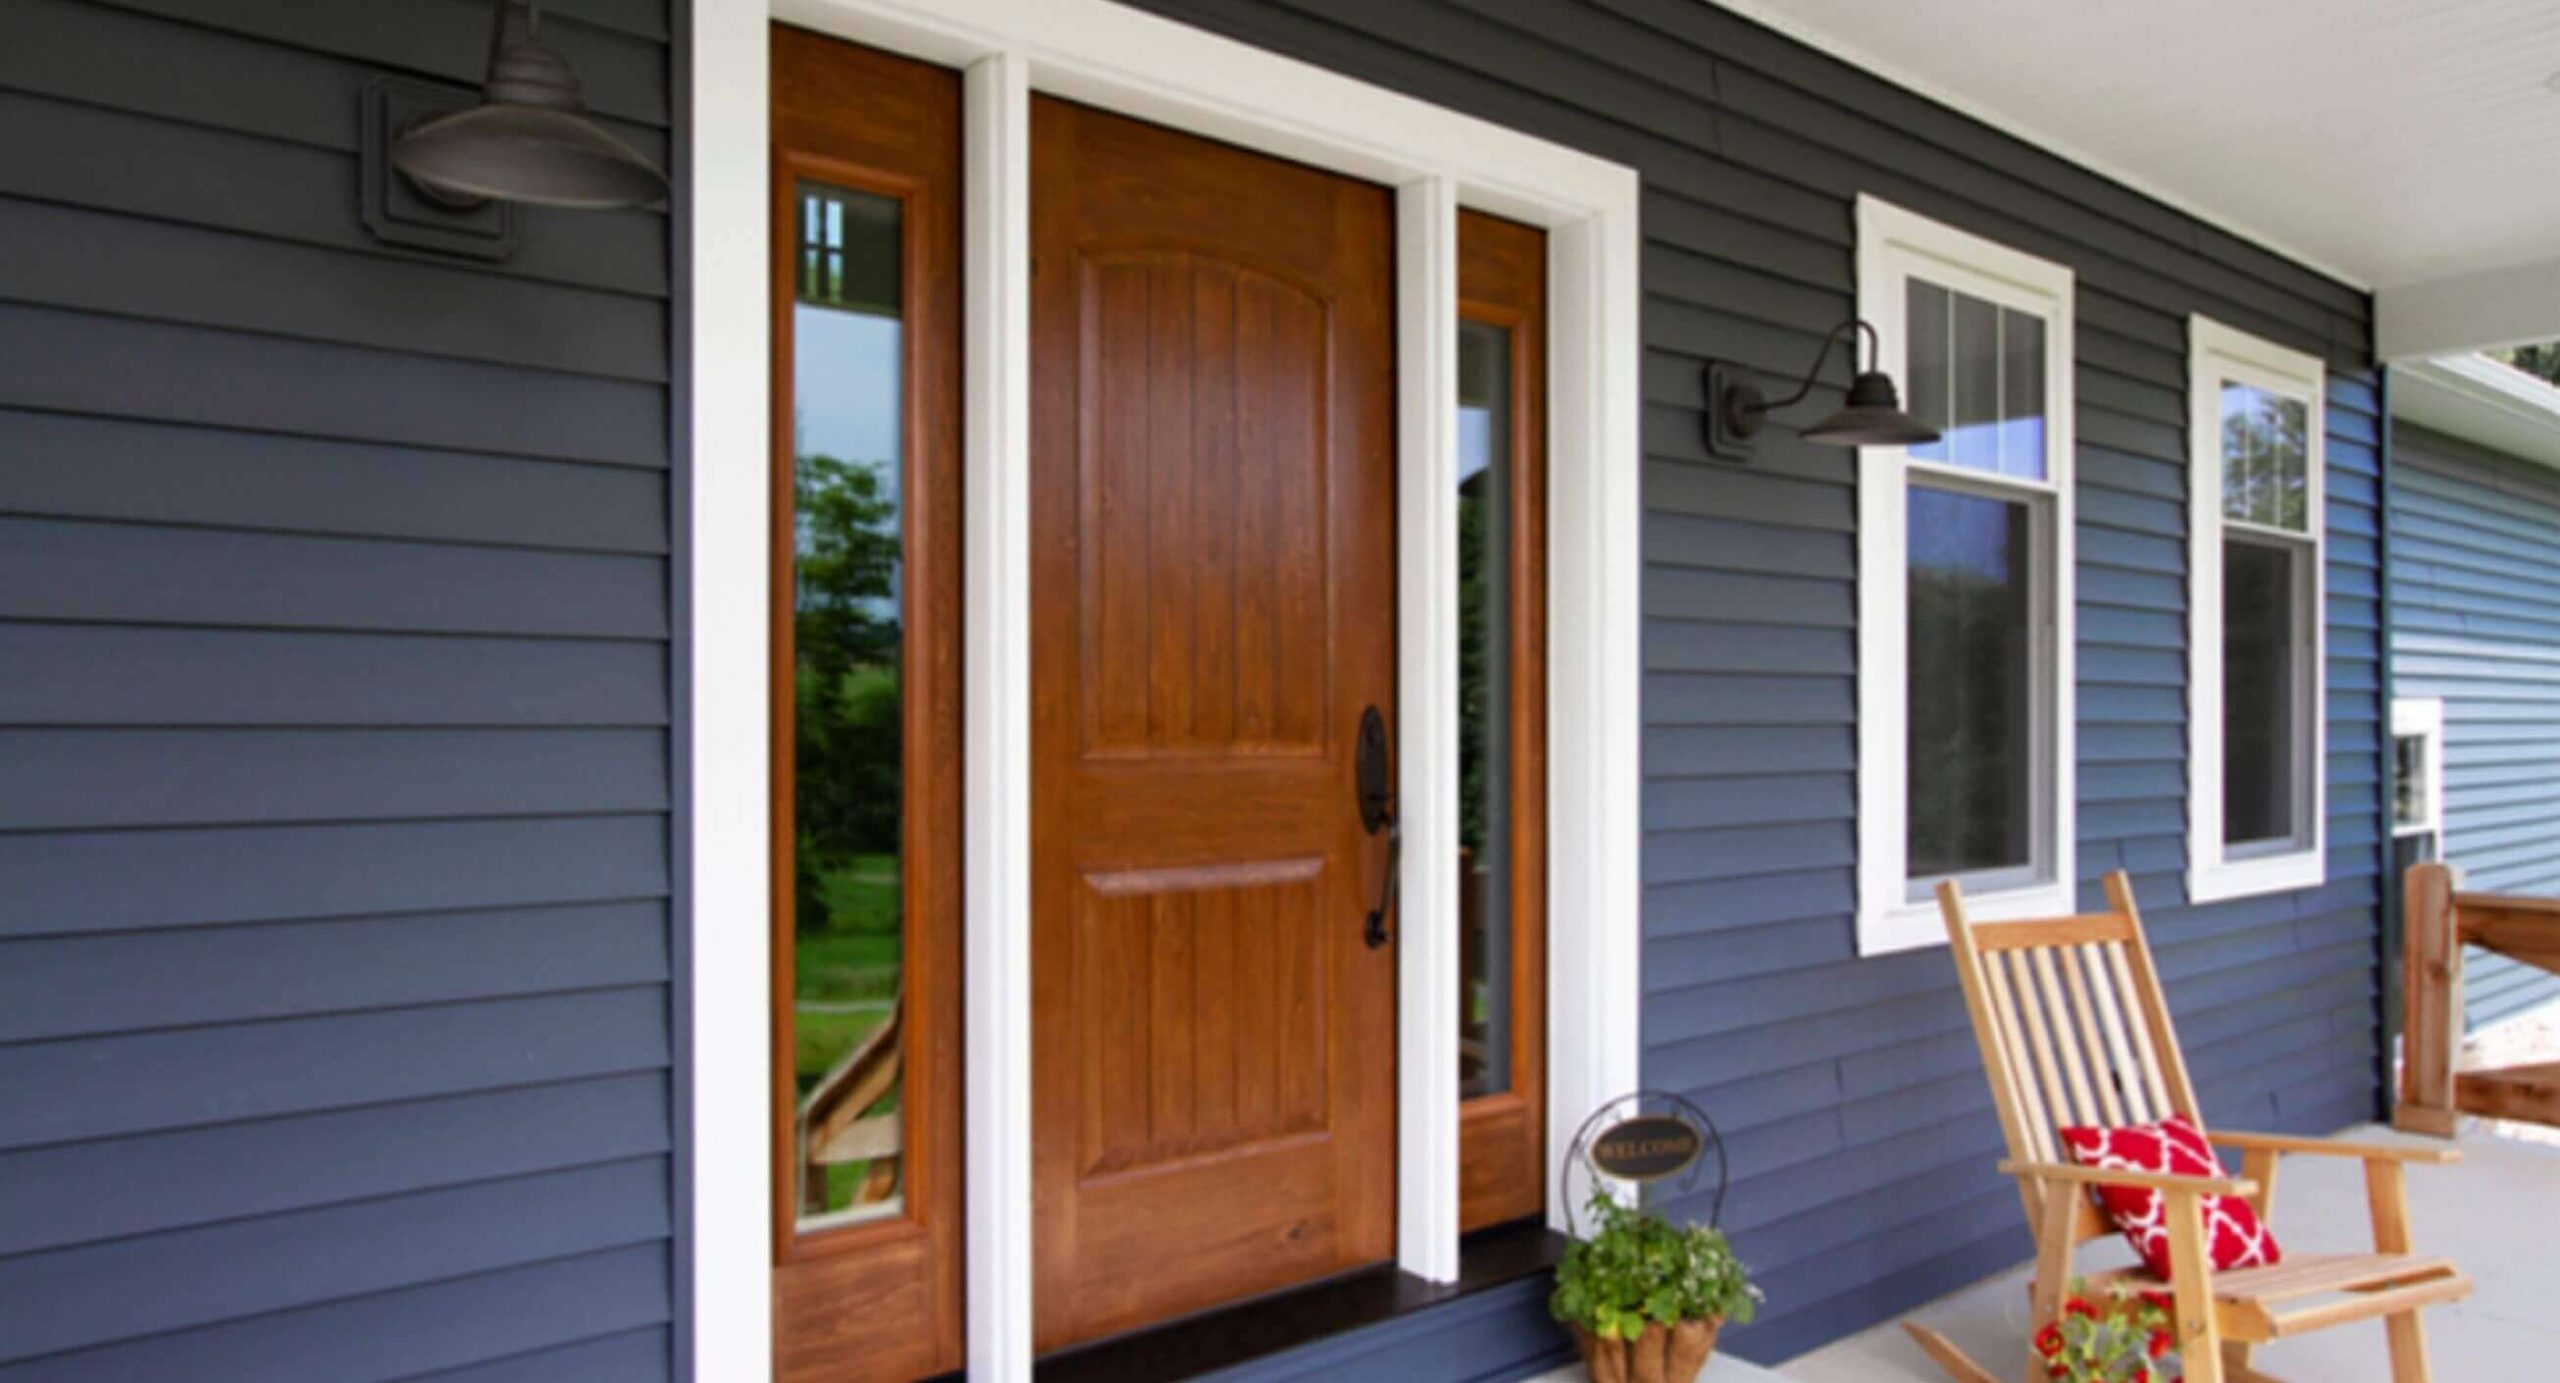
(2385, 142)
(2479, 400)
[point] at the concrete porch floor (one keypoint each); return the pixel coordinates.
(2493, 1213)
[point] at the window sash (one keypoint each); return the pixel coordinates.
(2301, 643)
(2039, 867)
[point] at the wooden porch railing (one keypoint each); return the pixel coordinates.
(2442, 919)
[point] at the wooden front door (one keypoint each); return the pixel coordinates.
(1213, 607)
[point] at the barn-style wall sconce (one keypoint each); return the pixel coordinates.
(1871, 416)
(529, 138)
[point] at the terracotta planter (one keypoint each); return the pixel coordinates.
(1662, 1354)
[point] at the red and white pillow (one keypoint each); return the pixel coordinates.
(2234, 1236)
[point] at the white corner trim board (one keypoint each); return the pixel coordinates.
(996, 697)
(1427, 929)
(2216, 353)
(1895, 245)
(1107, 55)
(725, 704)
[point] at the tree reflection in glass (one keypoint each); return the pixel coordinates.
(1484, 708)
(847, 377)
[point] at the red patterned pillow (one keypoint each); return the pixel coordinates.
(2233, 1234)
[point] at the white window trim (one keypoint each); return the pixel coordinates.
(2216, 353)
(1893, 245)
(2422, 718)
(1105, 54)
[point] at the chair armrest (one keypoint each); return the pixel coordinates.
(2156, 1181)
(2332, 1147)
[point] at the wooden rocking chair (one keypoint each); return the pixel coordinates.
(2073, 1030)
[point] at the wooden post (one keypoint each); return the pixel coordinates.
(2191, 1288)
(2432, 975)
(2387, 1191)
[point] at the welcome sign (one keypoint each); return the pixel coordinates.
(1648, 1147)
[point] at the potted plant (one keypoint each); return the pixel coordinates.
(1644, 1298)
(2124, 1338)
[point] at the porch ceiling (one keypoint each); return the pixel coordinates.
(2408, 146)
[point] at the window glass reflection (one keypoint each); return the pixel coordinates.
(2262, 711)
(1978, 376)
(847, 371)
(2266, 448)
(1485, 504)
(1971, 707)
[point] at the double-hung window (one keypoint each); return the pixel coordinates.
(2255, 744)
(1965, 584)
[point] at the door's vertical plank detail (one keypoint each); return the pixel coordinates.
(1171, 1031)
(1216, 989)
(1171, 594)
(1257, 594)
(1298, 427)
(1116, 556)
(1214, 516)
(1257, 1012)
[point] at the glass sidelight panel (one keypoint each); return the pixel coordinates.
(1485, 506)
(1502, 718)
(847, 427)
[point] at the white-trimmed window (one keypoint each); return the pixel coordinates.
(1964, 584)
(2256, 741)
(2417, 779)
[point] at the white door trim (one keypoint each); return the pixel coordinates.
(1107, 55)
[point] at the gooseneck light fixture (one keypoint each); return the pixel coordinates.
(1871, 416)
(529, 139)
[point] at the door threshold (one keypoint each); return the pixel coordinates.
(1265, 1326)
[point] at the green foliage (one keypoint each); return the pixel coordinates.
(1637, 1267)
(2123, 1337)
(2541, 361)
(1476, 652)
(846, 684)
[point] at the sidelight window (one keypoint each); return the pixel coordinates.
(1965, 580)
(2254, 637)
(1501, 717)
(865, 709)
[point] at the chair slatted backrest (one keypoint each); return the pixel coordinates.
(2073, 1030)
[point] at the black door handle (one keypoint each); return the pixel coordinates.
(1377, 802)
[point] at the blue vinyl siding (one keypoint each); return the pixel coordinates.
(2475, 619)
(336, 964)
(1849, 1089)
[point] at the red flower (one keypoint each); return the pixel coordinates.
(2162, 1342)
(2079, 1306)
(2048, 1341)
(2161, 1300)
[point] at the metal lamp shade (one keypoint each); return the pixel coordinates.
(527, 154)
(1871, 416)
(529, 139)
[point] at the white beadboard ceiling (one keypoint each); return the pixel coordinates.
(2395, 143)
